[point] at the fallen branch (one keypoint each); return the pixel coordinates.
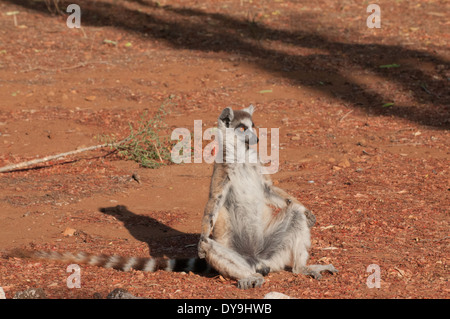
(79, 65)
(21, 165)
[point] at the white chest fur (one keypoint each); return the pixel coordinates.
(248, 187)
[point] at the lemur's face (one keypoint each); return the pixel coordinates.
(241, 122)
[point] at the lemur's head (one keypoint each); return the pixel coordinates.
(240, 121)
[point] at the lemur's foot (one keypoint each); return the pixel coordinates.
(253, 281)
(315, 270)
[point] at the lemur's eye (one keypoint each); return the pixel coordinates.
(241, 128)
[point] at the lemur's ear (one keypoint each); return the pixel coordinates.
(226, 116)
(249, 109)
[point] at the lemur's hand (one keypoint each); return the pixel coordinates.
(202, 246)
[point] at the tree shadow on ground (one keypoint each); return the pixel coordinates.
(162, 240)
(193, 29)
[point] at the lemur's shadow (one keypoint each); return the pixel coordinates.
(162, 240)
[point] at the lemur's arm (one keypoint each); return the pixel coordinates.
(220, 185)
(276, 196)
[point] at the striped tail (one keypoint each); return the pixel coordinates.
(149, 264)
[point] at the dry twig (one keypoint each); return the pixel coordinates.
(346, 114)
(76, 66)
(21, 165)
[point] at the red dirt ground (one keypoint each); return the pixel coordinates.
(376, 176)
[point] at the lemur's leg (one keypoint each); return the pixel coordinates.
(230, 264)
(288, 239)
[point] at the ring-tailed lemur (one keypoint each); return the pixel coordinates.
(241, 237)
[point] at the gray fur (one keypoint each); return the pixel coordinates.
(241, 238)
